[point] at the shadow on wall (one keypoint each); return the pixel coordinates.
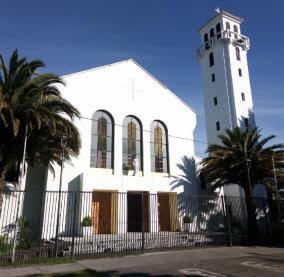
(205, 212)
(189, 179)
(249, 121)
(72, 221)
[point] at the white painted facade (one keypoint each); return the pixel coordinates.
(232, 108)
(122, 89)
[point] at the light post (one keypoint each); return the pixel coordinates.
(63, 145)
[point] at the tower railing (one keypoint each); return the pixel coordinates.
(226, 35)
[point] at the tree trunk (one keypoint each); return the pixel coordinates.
(252, 227)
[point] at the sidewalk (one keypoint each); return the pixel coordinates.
(159, 259)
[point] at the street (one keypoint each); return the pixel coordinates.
(201, 262)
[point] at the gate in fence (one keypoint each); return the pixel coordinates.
(42, 224)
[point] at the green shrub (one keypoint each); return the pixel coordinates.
(187, 218)
(5, 245)
(24, 234)
(87, 221)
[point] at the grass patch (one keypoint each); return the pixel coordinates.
(83, 273)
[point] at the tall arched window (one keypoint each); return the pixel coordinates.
(228, 27)
(218, 30)
(206, 41)
(238, 54)
(102, 140)
(131, 142)
(159, 147)
(236, 31)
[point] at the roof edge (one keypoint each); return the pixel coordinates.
(137, 64)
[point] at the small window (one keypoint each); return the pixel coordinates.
(243, 97)
(211, 59)
(213, 77)
(238, 54)
(211, 33)
(218, 30)
(246, 122)
(215, 101)
(236, 31)
(218, 126)
(240, 72)
(206, 41)
(228, 28)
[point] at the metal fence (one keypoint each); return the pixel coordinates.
(36, 225)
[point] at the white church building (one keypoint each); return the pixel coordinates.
(127, 116)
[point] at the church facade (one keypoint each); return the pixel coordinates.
(134, 132)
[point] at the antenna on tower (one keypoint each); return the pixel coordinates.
(217, 10)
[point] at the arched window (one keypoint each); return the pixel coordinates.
(236, 31)
(102, 140)
(211, 32)
(206, 41)
(238, 54)
(228, 28)
(218, 30)
(159, 147)
(131, 142)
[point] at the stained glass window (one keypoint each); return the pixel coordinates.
(159, 147)
(102, 140)
(131, 142)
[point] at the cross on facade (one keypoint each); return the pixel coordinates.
(133, 89)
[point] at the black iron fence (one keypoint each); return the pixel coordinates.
(36, 225)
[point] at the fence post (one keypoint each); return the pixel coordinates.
(226, 221)
(142, 221)
(74, 224)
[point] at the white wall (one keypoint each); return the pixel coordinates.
(107, 88)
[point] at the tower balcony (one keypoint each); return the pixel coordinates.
(224, 36)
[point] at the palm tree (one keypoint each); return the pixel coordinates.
(241, 158)
(32, 100)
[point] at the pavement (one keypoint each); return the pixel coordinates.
(202, 262)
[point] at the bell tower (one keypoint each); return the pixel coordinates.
(225, 76)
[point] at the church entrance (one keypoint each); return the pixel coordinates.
(137, 211)
(104, 212)
(168, 211)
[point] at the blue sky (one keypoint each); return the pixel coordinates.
(70, 36)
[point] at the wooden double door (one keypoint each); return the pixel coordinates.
(168, 211)
(104, 212)
(138, 206)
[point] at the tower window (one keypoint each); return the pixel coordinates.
(246, 122)
(206, 41)
(218, 30)
(243, 97)
(240, 72)
(215, 101)
(236, 31)
(238, 54)
(211, 32)
(228, 28)
(211, 59)
(213, 77)
(218, 126)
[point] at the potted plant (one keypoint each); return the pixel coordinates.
(87, 225)
(187, 219)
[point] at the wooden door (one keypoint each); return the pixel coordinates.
(102, 212)
(164, 211)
